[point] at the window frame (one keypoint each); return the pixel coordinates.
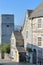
(39, 23)
(39, 41)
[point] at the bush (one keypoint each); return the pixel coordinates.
(29, 49)
(5, 48)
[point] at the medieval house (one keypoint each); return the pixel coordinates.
(17, 46)
(33, 32)
(31, 35)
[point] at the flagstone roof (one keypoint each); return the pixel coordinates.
(38, 12)
(29, 12)
(21, 49)
(18, 35)
(19, 38)
(19, 41)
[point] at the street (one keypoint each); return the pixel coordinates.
(13, 63)
(3, 62)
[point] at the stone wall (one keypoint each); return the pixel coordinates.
(0, 55)
(7, 27)
(6, 56)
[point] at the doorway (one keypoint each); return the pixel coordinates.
(34, 56)
(22, 57)
(2, 55)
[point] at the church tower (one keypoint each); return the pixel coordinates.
(7, 26)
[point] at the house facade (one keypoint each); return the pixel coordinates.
(17, 47)
(31, 35)
(33, 32)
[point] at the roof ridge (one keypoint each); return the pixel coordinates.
(36, 9)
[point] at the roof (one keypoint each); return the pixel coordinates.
(7, 14)
(19, 39)
(18, 35)
(29, 12)
(38, 12)
(21, 49)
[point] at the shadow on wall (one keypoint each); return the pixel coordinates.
(35, 53)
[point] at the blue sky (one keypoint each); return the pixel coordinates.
(18, 8)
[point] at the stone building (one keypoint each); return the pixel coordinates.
(17, 47)
(6, 27)
(33, 32)
(31, 35)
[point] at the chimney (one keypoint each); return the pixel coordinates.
(20, 29)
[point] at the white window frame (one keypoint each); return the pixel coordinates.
(39, 41)
(39, 23)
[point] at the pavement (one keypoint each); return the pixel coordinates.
(12, 63)
(3, 62)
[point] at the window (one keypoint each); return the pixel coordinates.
(26, 34)
(39, 41)
(39, 23)
(7, 25)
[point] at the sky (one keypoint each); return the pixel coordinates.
(18, 8)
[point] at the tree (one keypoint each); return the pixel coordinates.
(5, 48)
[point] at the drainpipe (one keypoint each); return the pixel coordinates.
(32, 35)
(31, 32)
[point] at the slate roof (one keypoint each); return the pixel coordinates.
(19, 39)
(29, 12)
(38, 12)
(21, 49)
(18, 35)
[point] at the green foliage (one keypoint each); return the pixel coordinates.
(29, 49)
(0, 48)
(5, 48)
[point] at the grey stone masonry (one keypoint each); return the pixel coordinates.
(7, 26)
